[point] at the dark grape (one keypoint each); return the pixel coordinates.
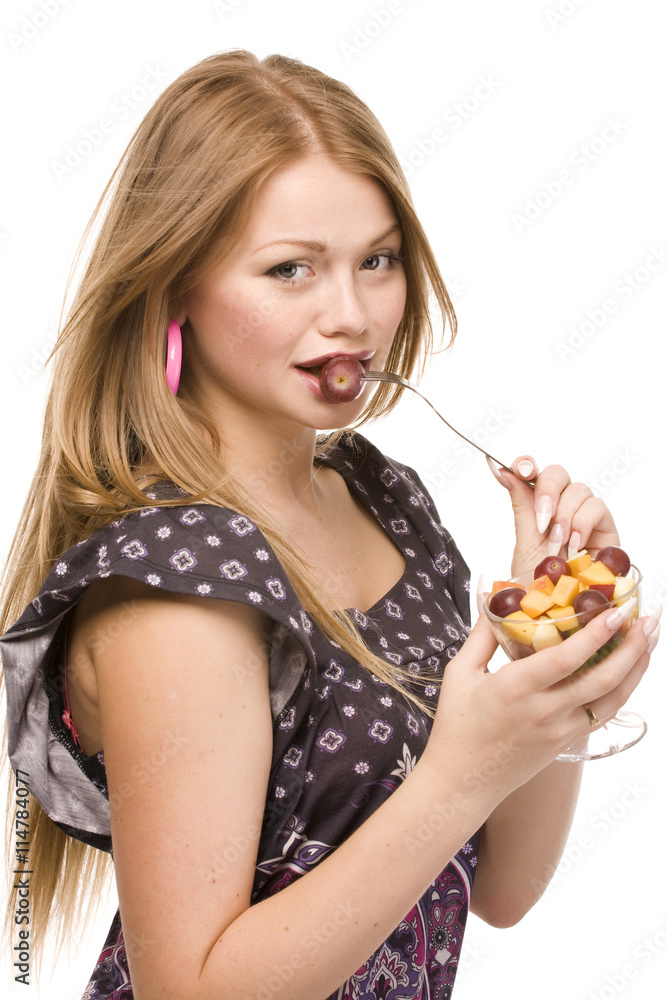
(615, 559)
(588, 604)
(341, 379)
(554, 567)
(504, 602)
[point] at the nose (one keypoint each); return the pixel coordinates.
(342, 309)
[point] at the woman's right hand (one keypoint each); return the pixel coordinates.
(511, 723)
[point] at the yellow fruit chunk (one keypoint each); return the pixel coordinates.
(597, 573)
(542, 583)
(580, 561)
(624, 584)
(565, 591)
(568, 613)
(536, 602)
(519, 626)
(546, 634)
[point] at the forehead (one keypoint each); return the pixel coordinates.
(315, 198)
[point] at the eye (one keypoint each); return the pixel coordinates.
(289, 271)
(385, 261)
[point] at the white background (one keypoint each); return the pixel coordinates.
(520, 93)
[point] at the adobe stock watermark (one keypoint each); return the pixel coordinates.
(598, 827)
(222, 7)
(562, 12)
(121, 108)
(34, 23)
(653, 946)
(495, 418)
(622, 461)
(365, 33)
(579, 161)
(453, 118)
(623, 290)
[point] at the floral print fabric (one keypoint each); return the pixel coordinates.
(343, 741)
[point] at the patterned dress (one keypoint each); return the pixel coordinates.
(342, 740)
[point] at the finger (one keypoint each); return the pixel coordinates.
(479, 647)
(611, 681)
(553, 665)
(549, 486)
(578, 513)
(607, 706)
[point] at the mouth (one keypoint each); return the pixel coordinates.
(314, 367)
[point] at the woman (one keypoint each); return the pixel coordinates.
(241, 629)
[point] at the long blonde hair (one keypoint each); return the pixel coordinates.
(175, 206)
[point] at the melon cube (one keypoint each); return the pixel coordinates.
(596, 573)
(568, 613)
(546, 634)
(503, 584)
(579, 562)
(565, 591)
(542, 583)
(536, 602)
(520, 626)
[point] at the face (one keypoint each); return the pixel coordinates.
(315, 274)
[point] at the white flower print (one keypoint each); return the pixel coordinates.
(61, 568)
(380, 731)
(262, 555)
(293, 756)
(362, 767)
(306, 622)
(280, 792)
(276, 589)
(254, 596)
(182, 560)
(383, 642)
(233, 570)
(331, 740)
(388, 477)
(204, 589)
(154, 579)
(309, 776)
(134, 549)
(426, 619)
(400, 526)
(406, 765)
(241, 525)
(386, 701)
(213, 540)
(191, 516)
(164, 531)
(443, 563)
(411, 553)
(402, 635)
(349, 710)
(430, 690)
(294, 623)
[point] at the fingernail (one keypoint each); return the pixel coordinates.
(653, 641)
(573, 545)
(526, 468)
(499, 476)
(480, 595)
(618, 616)
(543, 513)
(555, 542)
(650, 625)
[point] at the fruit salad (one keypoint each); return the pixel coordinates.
(563, 596)
(341, 379)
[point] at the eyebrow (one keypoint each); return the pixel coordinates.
(317, 246)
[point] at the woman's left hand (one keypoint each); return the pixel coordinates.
(556, 513)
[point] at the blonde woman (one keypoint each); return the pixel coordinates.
(237, 655)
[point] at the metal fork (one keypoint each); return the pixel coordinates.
(399, 380)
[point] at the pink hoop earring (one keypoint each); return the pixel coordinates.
(174, 356)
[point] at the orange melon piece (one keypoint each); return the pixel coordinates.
(536, 602)
(503, 585)
(565, 591)
(519, 626)
(565, 612)
(596, 573)
(542, 583)
(579, 562)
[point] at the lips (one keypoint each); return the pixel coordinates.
(315, 365)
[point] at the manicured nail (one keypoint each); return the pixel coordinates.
(573, 545)
(498, 474)
(555, 542)
(653, 641)
(618, 616)
(526, 468)
(543, 513)
(480, 595)
(650, 625)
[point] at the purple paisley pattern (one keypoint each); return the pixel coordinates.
(342, 741)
